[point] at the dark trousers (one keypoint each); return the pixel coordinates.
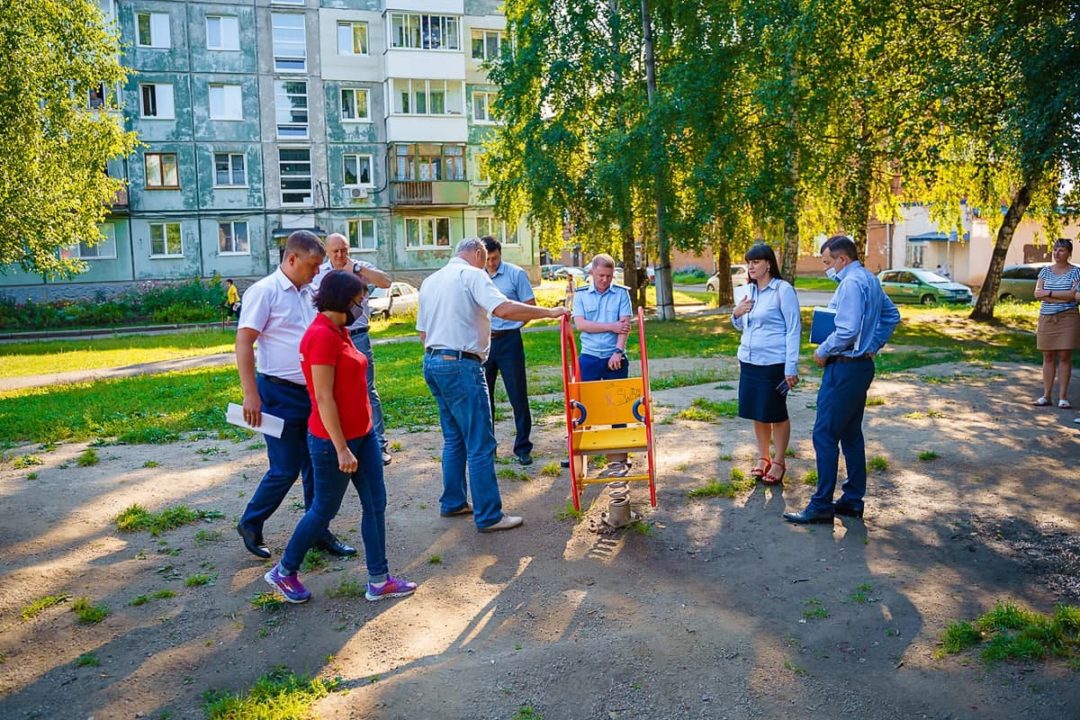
(840, 403)
(508, 357)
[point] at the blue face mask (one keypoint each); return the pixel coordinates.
(831, 274)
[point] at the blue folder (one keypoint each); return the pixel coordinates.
(823, 324)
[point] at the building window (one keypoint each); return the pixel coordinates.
(294, 165)
(361, 234)
(484, 107)
(152, 30)
(290, 42)
(487, 225)
(352, 38)
(354, 105)
(226, 102)
(357, 170)
(156, 102)
(487, 44)
(427, 232)
(166, 240)
(291, 103)
(222, 32)
(425, 32)
(161, 171)
(428, 162)
(428, 97)
(229, 170)
(233, 238)
(104, 250)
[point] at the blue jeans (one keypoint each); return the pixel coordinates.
(840, 403)
(362, 342)
(595, 368)
(468, 436)
(330, 486)
(508, 356)
(288, 455)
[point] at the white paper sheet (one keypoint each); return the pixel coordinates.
(271, 424)
(742, 292)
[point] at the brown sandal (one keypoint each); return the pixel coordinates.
(759, 473)
(771, 479)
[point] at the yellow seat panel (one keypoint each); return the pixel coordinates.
(610, 439)
(608, 402)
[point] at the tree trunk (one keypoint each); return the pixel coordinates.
(984, 306)
(725, 294)
(791, 248)
(631, 276)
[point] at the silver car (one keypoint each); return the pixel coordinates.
(398, 299)
(739, 277)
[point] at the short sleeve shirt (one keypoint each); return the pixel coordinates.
(455, 307)
(606, 307)
(513, 282)
(325, 343)
(280, 313)
(364, 319)
(1052, 281)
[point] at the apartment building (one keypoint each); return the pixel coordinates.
(260, 117)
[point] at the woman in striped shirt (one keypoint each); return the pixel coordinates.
(1059, 322)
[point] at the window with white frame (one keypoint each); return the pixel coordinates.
(484, 107)
(230, 170)
(291, 108)
(487, 44)
(156, 101)
(166, 240)
(289, 35)
(356, 170)
(427, 232)
(352, 38)
(354, 105)
(233, 238)
(222, 32)
(425, 32)
(428, 162)
(103, 250)
(488, 225)
(428, 97)
(361, 233)
(226, 102)
(161, 171)
(152, 30)
(294, 166)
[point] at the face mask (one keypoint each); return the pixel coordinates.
(352, 314)
(831, 274)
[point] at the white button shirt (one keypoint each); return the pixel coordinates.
(364, 320)
(455, 308)
(281, 314)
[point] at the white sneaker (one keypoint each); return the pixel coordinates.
(1064, 404)
(1042, 401)
(508, 522)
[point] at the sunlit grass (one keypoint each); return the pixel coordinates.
(278, 695)
(1011, 632)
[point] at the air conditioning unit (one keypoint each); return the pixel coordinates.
(359, 193)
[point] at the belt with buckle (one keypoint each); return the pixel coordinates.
(358, 331)
(501, 333)
(454, 354)
(283, 381)
(848, 358)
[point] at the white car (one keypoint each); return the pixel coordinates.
(398, 299)
(739, 277)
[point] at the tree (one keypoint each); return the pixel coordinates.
(53, 146)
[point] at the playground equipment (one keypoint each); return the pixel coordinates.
(607, 416)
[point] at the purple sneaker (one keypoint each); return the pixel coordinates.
(288, 585)
(392, 588)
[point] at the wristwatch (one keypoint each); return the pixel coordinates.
(357, 268)
(621, 351)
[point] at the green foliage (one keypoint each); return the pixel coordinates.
(87, 458)
(268, 602)
(313, 560)
(199, 580)
(156, 595)
(35, 608)
(1011, 632)
(435, 560)
(928, 455)
(278, 695)
(25, 461)
(87, 660)
(348, 588)
(705, 410)
(959, 636)
(87, 612)
(878, 463)
(136, 518)
(815, 610)
(551, 469)
(716, 488)
(527, 712)
(568, 512)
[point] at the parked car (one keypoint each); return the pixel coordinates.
(577, 273)
(739, 277)
(1018, 282)
(914, 285)
(398, 299)
(547, 272)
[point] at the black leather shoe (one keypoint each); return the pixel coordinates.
(525, 459)
(335, 547)
(846, 511)
(253, 542)
(808, 518)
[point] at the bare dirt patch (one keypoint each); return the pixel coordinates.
(718, 610)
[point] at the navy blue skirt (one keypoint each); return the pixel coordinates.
(758, 398)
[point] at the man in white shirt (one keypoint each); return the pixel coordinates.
(277, 311)
(337, 251)
(455, 327)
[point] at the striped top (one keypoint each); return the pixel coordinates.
(1052, 281)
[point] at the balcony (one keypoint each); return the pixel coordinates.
(453, 7)
(429, 194)
(120, 199)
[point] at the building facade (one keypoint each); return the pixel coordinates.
(260, 117)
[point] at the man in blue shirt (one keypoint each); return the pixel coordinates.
(507, 354)
(602, 314)
(865, 320)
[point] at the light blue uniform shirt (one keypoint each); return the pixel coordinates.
(513, 282)
(606, 307)
(865, 316)
(772, 329)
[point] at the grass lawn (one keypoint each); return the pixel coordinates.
(814, 282)
(156, 408)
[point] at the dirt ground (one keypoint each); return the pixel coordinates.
(703, 617)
